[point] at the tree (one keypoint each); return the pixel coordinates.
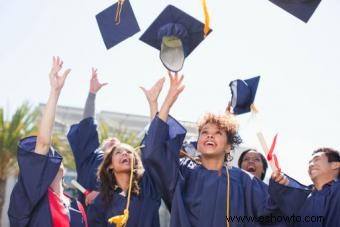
(23, 123)
(125, 136)
(60, 143)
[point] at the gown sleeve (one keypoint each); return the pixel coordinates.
(83, 139)
(96, 213)
(289, 198)
(36, 173)
(160, 155)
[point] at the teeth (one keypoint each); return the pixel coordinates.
(251, 169)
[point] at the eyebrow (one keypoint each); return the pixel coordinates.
(314, 158)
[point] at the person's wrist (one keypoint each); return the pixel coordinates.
(55, 91)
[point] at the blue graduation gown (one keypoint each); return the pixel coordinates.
(143, 210)
(306, 204)
(84, 141)
(29, 204)
(198, 196)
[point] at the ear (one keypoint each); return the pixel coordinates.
(335, 165)
(228, 148)
(110, 167)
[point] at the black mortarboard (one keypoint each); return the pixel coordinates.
(176, 34)
(243, 94)
(302, 9)
(117, 23)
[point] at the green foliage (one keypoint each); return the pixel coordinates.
(121, 133)
(23, 123)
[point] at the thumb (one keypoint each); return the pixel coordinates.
(143, 89)
(65, 74)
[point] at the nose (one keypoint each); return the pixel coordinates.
(251, 161)
(209, 135)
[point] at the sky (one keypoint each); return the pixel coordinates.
(298, 63)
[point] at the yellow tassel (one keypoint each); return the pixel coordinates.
(206, 18)
(119, 11)
(228, 195)
(121, 220)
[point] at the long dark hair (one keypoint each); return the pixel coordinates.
(107, 178)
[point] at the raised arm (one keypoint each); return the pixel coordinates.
(37, 169)
(152, 96)
(162, 144)
(288, 194)
(84, 141)
(176, 87)
(57, 80)
(83, 136)
(95, 86)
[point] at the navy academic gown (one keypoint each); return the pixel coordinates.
(84, 142)
(29, 204)
(143, 210)
(306, 204)
(199, 195)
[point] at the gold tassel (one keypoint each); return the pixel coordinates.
(206, 18)
(228, 195)
(121, 220)
(119, 11)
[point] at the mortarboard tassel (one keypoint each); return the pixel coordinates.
(206, 18)
(121, 220)
(228, 195)
(118, 11)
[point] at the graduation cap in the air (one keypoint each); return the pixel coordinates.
(117, 23)
(243, 94)
(176, 34)
(302, 9)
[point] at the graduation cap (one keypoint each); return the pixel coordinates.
(176, 34)
(302, 9)
(243, 94)
(117, 23)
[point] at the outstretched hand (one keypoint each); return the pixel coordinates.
(57, 79)
(95, 85)
(176, 87)
(152, 96)
(153, 93)
(279, 177)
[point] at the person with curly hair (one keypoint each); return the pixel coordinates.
(210, 193)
